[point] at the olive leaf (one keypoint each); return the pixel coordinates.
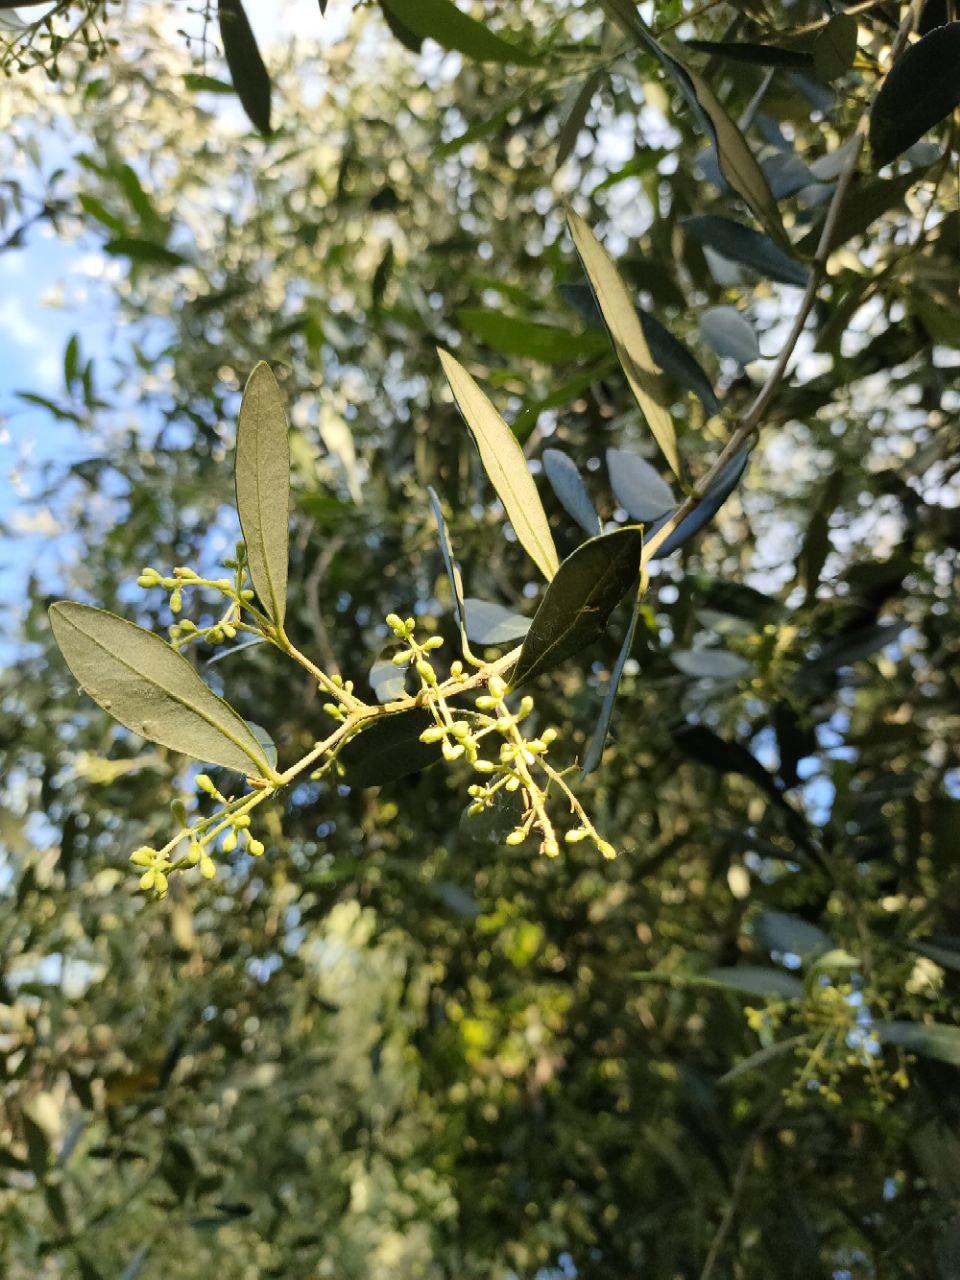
(505, 465)
(637, 486)
(936, 1040)
(451, 566)
(595, 749)
(442, 21)
(490, 623)
(588, 586)
(921, 89)
(724, 483)
(249, 75)
(748, 247)
(149, 687)
(738, 164)
(389, 749)
(263, 488)
(626, 333)
(566, 483)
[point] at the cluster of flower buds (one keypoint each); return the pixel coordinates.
(521, 764)
(229, 827)
(235, 591)
(336, 710)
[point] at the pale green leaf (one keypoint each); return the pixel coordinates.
(152, 689)
(623, 323)
(263, 488)
(505, 465)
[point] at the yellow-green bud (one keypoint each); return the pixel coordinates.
(548, 736)
(247, 594)
(426, 672)
(496, 686)
(550, 847)
(144, 856)
(606, 848)
(433, 734)
(229, 842)
(160, 884)
(393, 622)
(195, 852)
(402, 658)
(148, 879)
(254, 847)
(224, 584)
(435, 642)
(230, 631)
(576, 835)
(208, 868)
(204, 783)
(460, 729)
(149, 578)
(176, 602)
(516, 837)
(242, 821)
(452, 751)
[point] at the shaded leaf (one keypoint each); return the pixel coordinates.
(637, 486)
(505, 466)
(567, 484)
(730, 334)
(761, 55)
(570, 130)
(754, 980)
(442, 21)
(597, 741)
(744, 245)
(387, 681)
(247, 71)
(587, 588)
(388, 749)
(150, 688)
(678, 362)
(143, 251)
(490, 623)
(723, 755)
(514, 337)
(626, 333)
(724, 483)
(267, 744)
(263, 488)
(409, 39)
(709, 664)
(929, 1039)
(789, 935)
(451, 566)
(866, 201)
(835, 47)
(921, 89)
(763, 1056)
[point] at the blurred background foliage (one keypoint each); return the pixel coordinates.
(394, 1046)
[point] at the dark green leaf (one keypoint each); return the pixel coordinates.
(514, 337)
(577, 114)
(789, 935)
(146, 251)
(929, 1039)
(677, 362)
(748, 247)
(263, 488)
(442, 21)
(451, 566)
(724, 483)
(753, 980)
(637, 486)
(597, 741)
(38, 1147)
(150, 688)
(572, 493)
(836, 47)
(409, 39)
(206, 84)
(867, 200)
(247, 71)
(761, 55)
(763, 1056)
(587, 588)
(388, 749)
(730, 334)
(921, 89)
(505, 466)
(722, 754)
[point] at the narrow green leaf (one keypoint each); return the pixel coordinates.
(754, 980)
(247, 71)
(511, 336)
(788, 934)
(442, 21)
(930, 1039)
(723, 485)
(574, 612)
(409, 39)
(577, 114)
(921, 89)
(709, 664)
(567, 484)
(263, 488)
(626, 333)
(150, 688)
(761, 55)
(144, 251)
(868, 200)
(595, 749)
(746, 246)
(836, 47)
(387, 681)
(737, 162)
(637, 486)
(489, 623)
(451, 566)
(763, 1056)
(505, 465)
